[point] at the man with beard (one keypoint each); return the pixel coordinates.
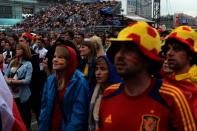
(141, 102)
(180, 50)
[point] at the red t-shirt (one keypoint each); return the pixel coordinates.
(146, 112)
(57, 112)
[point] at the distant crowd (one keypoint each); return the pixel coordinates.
(59, 17)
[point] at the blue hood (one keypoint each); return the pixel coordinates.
(113, 75)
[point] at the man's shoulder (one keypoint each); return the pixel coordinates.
(167, 85)
(180, 100)
(171, 93)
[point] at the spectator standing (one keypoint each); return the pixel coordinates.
(13, 40)
(35, 85)
(8, 53)
(79, 37)
(2, 37)
(88, 55)
(106, 75)
(146, 104)
(18, 77)
(64, 104)
(180, 50)
(41, 50)
(2, 45)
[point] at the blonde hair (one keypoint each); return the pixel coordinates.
(99, 45)
(61, 75)
(87, 42)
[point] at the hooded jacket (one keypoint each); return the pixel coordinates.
(74, 106)
(113, 78)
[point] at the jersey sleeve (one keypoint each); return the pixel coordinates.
(181, 117)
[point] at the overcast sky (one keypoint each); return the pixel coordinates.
(179, 6)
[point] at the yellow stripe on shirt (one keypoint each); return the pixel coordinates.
(187, 118)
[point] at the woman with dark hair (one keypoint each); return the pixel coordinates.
(36, 83)
(88, 55)
(106, 75)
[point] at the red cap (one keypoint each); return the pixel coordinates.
(27, 35)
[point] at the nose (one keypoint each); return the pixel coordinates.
(170, 52)
(97, 72)
(54, 59)
(119, 54)
(80, 49)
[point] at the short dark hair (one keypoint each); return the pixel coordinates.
(183, 46)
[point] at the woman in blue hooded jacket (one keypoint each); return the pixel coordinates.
(106, 75)
(64, 105)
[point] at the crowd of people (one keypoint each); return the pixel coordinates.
(76, 81)
(75, 15)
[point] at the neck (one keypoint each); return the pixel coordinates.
(20, 59)
(183, 70)
(60, 73)
(104, 85)
(135, 86)
(61, 79)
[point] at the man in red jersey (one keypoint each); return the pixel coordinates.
(141, 102)
(180, 50)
